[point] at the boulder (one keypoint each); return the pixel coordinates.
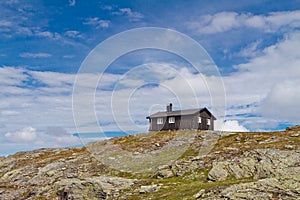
(164, 173)
(218, 172)
(148, 188)
(199, 194)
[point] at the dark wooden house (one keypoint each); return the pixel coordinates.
(197, 119)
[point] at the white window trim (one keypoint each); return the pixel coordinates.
(171, 120)
(159, 120)
(208, 122)
(199, 120)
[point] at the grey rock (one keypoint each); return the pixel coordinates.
(291, 128)
(199, 194)
(263, 189)
(148, 188)
(102, 194)
(164, 171)
(261, 163)
(289, 146)
(77, 189)
(181, 167)
(270, 140)
(295, 135)
(218, 172)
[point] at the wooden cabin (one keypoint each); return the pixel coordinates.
(193, 119)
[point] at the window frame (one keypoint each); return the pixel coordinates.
(171, 120)
(159, 120)
(199, 120)
(208, 122)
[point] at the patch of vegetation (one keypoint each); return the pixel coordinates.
(183, 187)
(189, 152)
(124, 174)
(149, 141)
(256, 140)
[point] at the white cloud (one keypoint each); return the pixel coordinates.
(283, 102)
(41, 95)
(46, 34)
(255, 21)
(13, 24)
(107, 7)
(5, 23)
(35, 55)
(251, 50)
(27, 134)
(132, 16)
(68, 56)
(225, 21)
(229, 125)
(96, 22)
(282, 19)
(29, 138)
(219, 22)
(61, 39)
(12, 76)
(73, 34)
(56, 131)
(268, 85)
(9, 112)
(45, 97)
(54, 79)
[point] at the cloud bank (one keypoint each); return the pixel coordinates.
(225, 21)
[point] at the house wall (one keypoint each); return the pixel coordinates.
(158, 127)
(186, 122)
(212, 126)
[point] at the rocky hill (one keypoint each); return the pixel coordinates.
(162, 165)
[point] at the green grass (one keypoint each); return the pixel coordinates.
(183, 187)
(189, 152)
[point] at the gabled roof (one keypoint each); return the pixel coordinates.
(180, 113)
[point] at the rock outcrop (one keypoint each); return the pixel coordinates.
(185, 165)
(275, 174)
(260, 163)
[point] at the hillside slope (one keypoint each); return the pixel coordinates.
(162, 165)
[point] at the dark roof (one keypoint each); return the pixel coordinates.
(179, 113)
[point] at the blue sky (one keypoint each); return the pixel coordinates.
(254, 44)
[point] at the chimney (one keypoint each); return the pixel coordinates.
(169, 107)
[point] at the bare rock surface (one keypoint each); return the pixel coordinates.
(260, 163)
(163, 165)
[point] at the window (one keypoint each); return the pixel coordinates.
(208, 122)
(171, 120)
(159, 120)
(199, 120)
